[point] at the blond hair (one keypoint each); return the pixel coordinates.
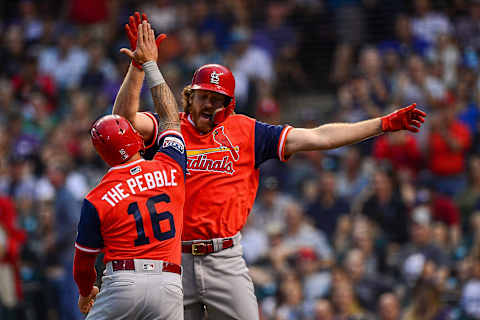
(186, 101)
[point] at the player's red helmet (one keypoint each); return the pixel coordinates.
(216, 78)
(115, 139)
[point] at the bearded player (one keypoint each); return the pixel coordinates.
(135, 214)
(224, 153)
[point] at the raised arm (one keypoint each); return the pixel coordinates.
(146, 54)
(127, 102)
(334, 135)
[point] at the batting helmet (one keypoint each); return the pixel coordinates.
(115, 139)
(214, 77)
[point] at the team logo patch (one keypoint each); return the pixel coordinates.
(223, 141)
(148, 267)
(219, 159)
(175, 143)
(123, 154)
(135, 170)
(215, 77)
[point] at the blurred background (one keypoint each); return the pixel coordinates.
(386, 229)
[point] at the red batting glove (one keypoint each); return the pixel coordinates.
(131, 30)
(408, 118)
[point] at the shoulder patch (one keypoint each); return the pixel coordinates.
(135, 170)
(175, 143)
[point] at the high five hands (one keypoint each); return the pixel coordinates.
(131, 30)
(146, 46)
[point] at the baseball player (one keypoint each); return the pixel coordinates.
(224, 152)
(135, 214)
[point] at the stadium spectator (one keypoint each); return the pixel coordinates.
(401, 150)
(316, 281)
(405, 42)
(413, 256)
(323, 310)
(429, 24)
(252, 67)
(389, 307)
(270, 206)
(351, 178)
(65, 62)
(418, 84)
(385, 208)
(449, 142)
(299, 234)
(11, 241)
(468, 199)
(370, 65)
(470, 300)
(467, 30)
(66, 217)
(344, 302)
(13, 50)
(367, 287)
(325, 210)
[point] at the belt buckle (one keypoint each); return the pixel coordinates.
(196, 247)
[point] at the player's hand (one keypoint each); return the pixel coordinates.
(409, 118)
(146, 46)
(86, 303)
(131, 30)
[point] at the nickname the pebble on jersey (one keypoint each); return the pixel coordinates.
(219, 159)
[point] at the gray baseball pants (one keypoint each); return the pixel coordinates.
(139, 295)
(221, 282)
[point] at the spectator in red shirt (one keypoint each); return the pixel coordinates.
(442, 209)
(11, 240)
(448, 143)
(31, 79)
(401, 150)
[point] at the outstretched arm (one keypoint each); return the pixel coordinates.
(334, 135)
(330, 136)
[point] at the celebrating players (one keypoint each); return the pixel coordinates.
(135, 214)
(224, 152)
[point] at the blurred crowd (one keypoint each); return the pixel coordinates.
(388, 229)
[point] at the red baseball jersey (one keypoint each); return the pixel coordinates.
(136, 211)
(222, 178)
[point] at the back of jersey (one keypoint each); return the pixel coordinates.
(136, 212)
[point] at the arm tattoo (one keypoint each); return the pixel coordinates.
(166, 107)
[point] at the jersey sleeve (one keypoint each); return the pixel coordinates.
(270, 142)
(89, 237)
(151, 147)
(171, 143)
(156, 121)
